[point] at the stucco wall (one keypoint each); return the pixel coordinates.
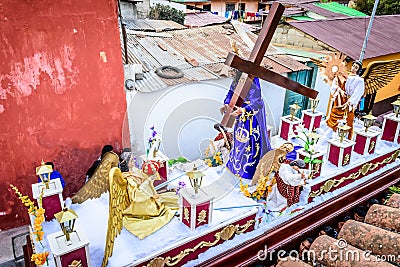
(61, 94)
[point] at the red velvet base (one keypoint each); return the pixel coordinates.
(79, 255)
(190, 250)
(52, 205)
(328, 185)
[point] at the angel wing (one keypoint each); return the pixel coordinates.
(379, 73)
(98, 184)
(119, 201)
(268, 163)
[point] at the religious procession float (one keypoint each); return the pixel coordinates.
(249, 188)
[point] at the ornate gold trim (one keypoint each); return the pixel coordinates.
(364, 169)
(201, 217)
(225, 234)
(186, 214)
(346, 159)
(156, 262)
(371, 146)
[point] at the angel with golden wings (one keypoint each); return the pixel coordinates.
(134, 202)
(348, 89)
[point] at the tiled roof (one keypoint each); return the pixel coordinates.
(347, 34)
(199, 53)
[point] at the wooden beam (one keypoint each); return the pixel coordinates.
(256, 70)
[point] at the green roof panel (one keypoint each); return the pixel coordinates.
(301, 18)
(338, 8)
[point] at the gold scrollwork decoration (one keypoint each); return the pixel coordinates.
(371, 146)
(224, 234)
(201, 217)
(156, 262)
(363, 170)
(346, 159)
(227, 232)
(186, 214)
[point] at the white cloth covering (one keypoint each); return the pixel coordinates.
(275, 201)
(354, 89)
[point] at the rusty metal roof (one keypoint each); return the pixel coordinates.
(347, 34)
(289, 11)
(198, 52)
(289, 2)
(201, 19)
(152, 25)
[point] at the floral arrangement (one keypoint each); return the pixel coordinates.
(181, 185)
(309, 146)
(215, 160)
(40, 258)
(263, 188)
(38, 213)
(153, 143)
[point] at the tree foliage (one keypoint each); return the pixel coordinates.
(385, 7)
(163, 12)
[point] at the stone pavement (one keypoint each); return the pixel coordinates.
(7, 248)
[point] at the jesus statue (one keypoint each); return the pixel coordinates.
(250, 137)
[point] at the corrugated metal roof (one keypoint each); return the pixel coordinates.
(347, 34)
(321, 11)
(198, 52)
(200, 19)
(288, 12)
(152, 25)
(338, 8)
(289, 2)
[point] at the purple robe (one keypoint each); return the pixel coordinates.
(250, 138)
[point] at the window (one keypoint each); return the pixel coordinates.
(305, 77)
(207, 7)
(230, 7)
(242, 6)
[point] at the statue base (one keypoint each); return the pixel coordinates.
(287, 126)
(365, 141)
(196, 209)
(339, 153)
(52, 200)
(391, 128)
(316, 168)
(69, 253)
(311, 120)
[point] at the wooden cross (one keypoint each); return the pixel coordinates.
(251, 68)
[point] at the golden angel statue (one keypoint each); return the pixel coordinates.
(347, 89)
(133, 200)
(271, 162)
(265, 175)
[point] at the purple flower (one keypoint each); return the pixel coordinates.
(152, 128)
(181, 185)
(150, 139)
(154, 133)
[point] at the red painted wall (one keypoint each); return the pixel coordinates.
(61, 92)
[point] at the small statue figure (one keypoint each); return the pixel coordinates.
(286, 192)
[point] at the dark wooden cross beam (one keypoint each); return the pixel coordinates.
(251, 68)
